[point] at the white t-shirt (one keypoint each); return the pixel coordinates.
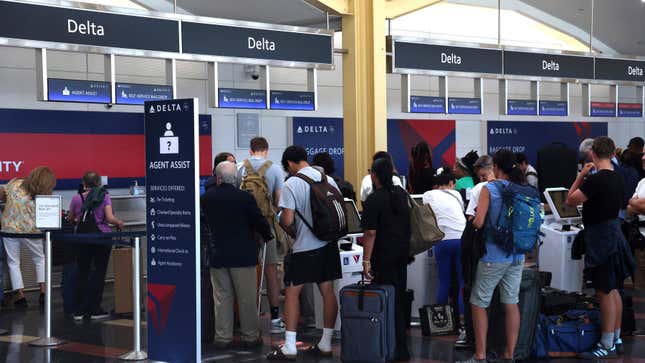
(296, 196)
(366, 185)
(449, 209)
(532, 179)
(474, 198)
(640, 193)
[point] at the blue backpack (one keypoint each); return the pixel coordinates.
(517, 226)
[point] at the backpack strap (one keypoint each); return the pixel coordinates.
(248, 168)
(461, 202)
(309, 181)
(264, 167)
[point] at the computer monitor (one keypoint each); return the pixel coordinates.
(418, 198)
(557, 200)
(353, 218)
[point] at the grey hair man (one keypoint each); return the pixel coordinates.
(226, 173)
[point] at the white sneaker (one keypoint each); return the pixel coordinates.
(278, 326)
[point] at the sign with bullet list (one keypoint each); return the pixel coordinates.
(172, 184)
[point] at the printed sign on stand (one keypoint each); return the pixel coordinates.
(48, 212)
(172, 184)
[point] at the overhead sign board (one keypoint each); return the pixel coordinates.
(522, 107)
(86, 27)
(256, 43)
(620, 70)
(548, 65)
(242, 98)
(466, 106)
(427, 104)
(554, 108)
(630, 110)
(137, 94)
(602, 109)
(293, 100)
(74, 90)
(172, 186)
(420, 56)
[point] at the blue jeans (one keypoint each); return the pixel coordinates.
(448, 255)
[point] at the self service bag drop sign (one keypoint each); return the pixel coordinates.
(172, 182)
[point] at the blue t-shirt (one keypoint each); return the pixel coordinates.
(494, 254)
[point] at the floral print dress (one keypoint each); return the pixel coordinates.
(20, 211)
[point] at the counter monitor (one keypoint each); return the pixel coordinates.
(557, 198)
(353, 218)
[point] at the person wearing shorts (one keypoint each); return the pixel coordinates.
(608, 259)
(311, 260)
(497, 268)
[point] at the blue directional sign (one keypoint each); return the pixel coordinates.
(137, 94)
(242, 98)
(630, 110)
(522, 107)
(603, 109)
(73, 90)
(468, 106)
(293, 100)
(427, 104)
(553, 108)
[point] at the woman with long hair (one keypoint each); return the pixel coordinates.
(386, 223)
(20, 217)
(421, 170)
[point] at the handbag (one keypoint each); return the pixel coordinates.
(424, 230)
(437, 320)
(579, 245)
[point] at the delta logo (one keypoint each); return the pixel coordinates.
(160, 298)
(168, 107)
(316, 129)
(503, 131)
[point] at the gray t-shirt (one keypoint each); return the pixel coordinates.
(296, 196)
(274, 175)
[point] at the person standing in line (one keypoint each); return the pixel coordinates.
(529, 171)
(386, 224)
(636, 209)
(20, 217)
(235, 220)
(367, 185)
(267, 199)
(449, 210)
(464, 171)
(485, 174)
(92, 259)
(607, 257)
(326, 162)
(311, 260)
(421, 169)
(496, 268)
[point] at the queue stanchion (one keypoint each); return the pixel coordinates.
(136, 354)
(48, 340)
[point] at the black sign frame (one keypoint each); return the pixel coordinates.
(522, 68)
(603, 66)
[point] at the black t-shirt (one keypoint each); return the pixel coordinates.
(423, 180)
(604, 191)
(389, 214)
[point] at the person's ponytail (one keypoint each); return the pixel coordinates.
(383, 169)
(504, 159)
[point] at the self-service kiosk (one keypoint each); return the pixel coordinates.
(351, 260)
(560, 230)
(423, 276)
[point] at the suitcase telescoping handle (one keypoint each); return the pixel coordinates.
(362, 285)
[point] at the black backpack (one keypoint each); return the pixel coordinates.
(327, 210)
(86, 221)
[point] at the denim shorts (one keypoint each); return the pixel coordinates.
(507, 276)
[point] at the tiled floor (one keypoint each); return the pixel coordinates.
(105, 341)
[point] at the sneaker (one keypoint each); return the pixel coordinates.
(462, 341)
(278, 326)
(599, 353)
(473, 360)
(100, 315)
(78, 316)
(620, 349)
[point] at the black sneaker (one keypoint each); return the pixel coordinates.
(599, 352)
(100, 315)
(78, 316)
(21, 303)
(473, 360)
(462, 341)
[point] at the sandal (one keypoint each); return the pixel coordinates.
(314, 350)
(278, 355)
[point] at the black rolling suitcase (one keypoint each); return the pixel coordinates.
(529, 311)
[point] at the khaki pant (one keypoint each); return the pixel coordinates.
(239, 283)
(639, 274)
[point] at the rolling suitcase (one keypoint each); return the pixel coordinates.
(367, 323)
(529, 311)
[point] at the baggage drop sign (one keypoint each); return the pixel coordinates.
(172, 207)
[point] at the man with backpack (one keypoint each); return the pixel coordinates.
(313, 213)
(264, 180)
(508, 212)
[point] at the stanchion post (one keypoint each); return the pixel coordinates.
(48, 340)
(136, 354)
